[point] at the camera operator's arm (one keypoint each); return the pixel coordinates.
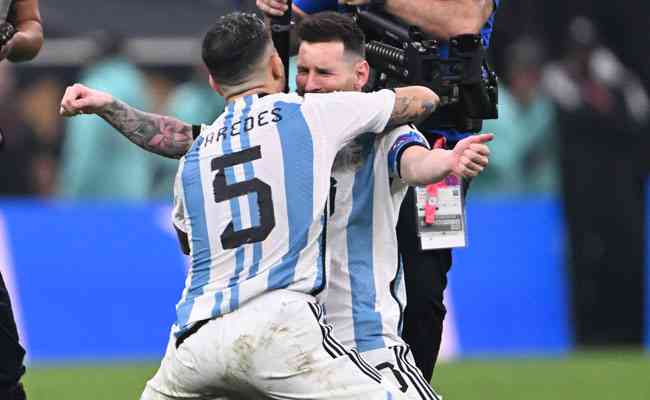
(276, 8)
(28, 39)
(440, 18)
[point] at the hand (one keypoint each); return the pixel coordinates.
(79, 99)
(354, 2)
(470, 155)
(273, 8)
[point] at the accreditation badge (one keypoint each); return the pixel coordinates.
(441, 214)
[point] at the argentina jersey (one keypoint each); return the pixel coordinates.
(365, 298)
(251, 191)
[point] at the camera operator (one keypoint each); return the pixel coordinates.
(24, 23)
(425, 271)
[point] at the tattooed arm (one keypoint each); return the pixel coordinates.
(158, 134)
(413, 104)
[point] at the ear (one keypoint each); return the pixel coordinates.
(277, 68)
(215, 86)
(361, 74)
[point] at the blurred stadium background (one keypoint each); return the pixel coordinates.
(550, 300)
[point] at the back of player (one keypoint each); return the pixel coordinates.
(253, 190)
(251, 196)
(251, 200)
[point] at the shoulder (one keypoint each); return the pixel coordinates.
(404, 134)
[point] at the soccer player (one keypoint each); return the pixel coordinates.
(365, 297)
(253, 189)
(425, 271)
(365, 200)
(23, 46)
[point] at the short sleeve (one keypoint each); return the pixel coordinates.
(398, 140)
(342, 116)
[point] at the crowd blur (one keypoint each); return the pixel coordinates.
(540, 99)
(573, 125)
(83, 158)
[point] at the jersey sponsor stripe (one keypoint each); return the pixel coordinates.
(298, 160)
(201, 257)
(367, 321)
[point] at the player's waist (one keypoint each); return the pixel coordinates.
(264, 302)
(215, 299)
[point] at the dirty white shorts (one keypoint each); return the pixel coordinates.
(276, 346)
(397, 366)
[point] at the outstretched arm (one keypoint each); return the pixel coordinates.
(158, 134)
(469, 157)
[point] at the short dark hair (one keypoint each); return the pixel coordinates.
(331, 26)
(233, 47)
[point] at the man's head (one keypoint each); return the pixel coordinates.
(331, 56)
(240, 56)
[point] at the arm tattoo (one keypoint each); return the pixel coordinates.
(409, 109)
(158, 134)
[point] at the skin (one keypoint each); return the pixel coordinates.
(441, 19)
(28, 40)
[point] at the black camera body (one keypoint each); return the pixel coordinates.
(463, 80)
(7, 31)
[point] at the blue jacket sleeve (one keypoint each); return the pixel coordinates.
(486, 32)
(313, 6)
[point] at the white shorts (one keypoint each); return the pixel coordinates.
(397, 365)
(274, 347)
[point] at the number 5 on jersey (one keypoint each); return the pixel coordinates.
(230, 238)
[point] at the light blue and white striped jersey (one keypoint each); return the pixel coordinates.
(251, 194)
(365, 296)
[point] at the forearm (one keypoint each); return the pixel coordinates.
(158, 134)
(420, 166)
(28, 39)
(27, 42)
(443, 18)
(413, 104)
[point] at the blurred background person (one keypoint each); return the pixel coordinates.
(603, 114)
(37, 110)
(96, 164)
(17, 138)
(192, 101)
(524, 158)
